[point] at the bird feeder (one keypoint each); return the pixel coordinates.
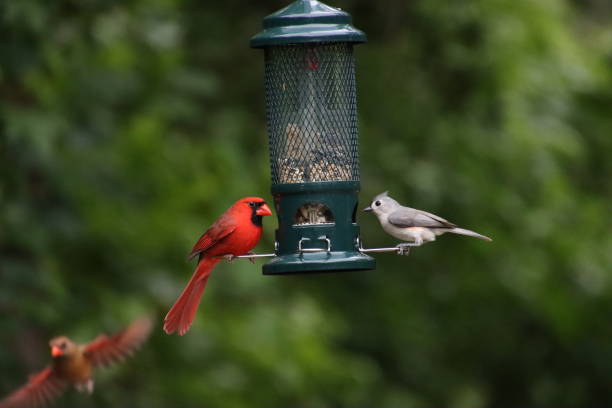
(313, 139)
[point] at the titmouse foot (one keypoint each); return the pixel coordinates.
(229, 257)
(403, 249)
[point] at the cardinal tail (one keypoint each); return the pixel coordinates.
(462, 231)
(182, 313)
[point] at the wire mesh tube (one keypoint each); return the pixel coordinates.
(310, 93)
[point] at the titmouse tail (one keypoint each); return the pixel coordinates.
(462, 231)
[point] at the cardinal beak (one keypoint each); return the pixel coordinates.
(56, 351)
(263, 210)
(368, 209)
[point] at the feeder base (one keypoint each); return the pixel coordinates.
(319, 262)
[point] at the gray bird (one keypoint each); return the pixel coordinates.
(412, 225)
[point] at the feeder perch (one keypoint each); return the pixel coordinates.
(313, 139)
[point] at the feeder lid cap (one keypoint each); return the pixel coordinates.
(307, 21)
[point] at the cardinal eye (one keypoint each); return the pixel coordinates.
(252, 204)
(377, 203)
(63, 346)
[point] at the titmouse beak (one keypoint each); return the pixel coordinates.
(367, 209)
(263, 210)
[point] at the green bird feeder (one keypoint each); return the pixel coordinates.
(313, 139)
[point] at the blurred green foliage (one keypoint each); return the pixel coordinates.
(127, 127)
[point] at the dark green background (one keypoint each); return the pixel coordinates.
(127, 127)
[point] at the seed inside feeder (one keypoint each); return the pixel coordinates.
(307, 156)
(313, 213)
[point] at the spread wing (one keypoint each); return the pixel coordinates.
(409, 217)
(41, 389)
(219, 230)
(106, 350)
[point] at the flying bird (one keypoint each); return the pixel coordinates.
(235, 233)
(412, 225)
(74, 364)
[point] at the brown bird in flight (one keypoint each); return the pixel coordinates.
(73, 364)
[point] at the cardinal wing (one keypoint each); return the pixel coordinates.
(219, 230)
(105, 350)
(41, 389)
(409, 217)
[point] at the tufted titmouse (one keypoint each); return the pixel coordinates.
(412, 225)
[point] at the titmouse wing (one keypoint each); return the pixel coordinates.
(409, 217)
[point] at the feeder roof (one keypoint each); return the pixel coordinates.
(307, 21)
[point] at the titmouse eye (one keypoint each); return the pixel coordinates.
(377, 203)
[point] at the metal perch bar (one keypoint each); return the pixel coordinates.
(252, 256)
(399, 250)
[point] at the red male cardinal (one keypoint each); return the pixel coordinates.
(235, 233)
(73, 364)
